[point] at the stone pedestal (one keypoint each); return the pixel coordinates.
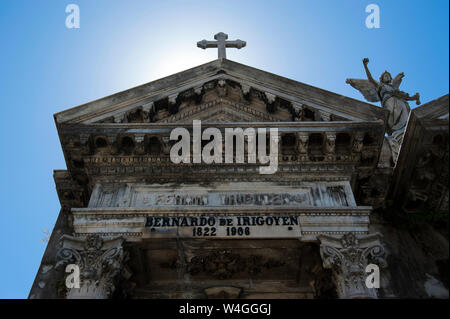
(100, 262)
(348, 256)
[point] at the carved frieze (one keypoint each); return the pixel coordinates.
(233, 194)
(225, 264)
(429, 184)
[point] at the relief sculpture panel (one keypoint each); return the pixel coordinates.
(332, 194)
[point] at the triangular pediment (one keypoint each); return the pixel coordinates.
(222, 110)
(437, 109)
(218, 91)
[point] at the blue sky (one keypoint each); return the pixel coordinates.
(46, 68)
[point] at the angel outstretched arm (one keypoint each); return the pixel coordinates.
(369, 76)
(369, 87)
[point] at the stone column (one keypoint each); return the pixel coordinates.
(348, 256)
(100, 262)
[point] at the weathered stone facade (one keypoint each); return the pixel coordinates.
(140, 226)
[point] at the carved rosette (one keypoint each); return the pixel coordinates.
(100, 262)
(348, 257)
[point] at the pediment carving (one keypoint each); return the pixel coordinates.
(220, 101)
(281, 98)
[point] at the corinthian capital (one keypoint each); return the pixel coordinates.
(100, 262)
(348, 256)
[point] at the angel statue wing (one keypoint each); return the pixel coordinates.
(366, 87)
(398, 80)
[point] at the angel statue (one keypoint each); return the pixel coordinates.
(395, 101)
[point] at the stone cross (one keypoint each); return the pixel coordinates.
(221, 44)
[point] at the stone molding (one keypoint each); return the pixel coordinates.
(130, 222)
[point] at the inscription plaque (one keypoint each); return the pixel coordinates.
(223, 227)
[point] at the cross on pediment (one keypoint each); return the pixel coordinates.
(221, 44)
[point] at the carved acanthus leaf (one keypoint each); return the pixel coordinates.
(99, 261)
(348, 257)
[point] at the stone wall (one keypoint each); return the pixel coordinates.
(418, 256)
